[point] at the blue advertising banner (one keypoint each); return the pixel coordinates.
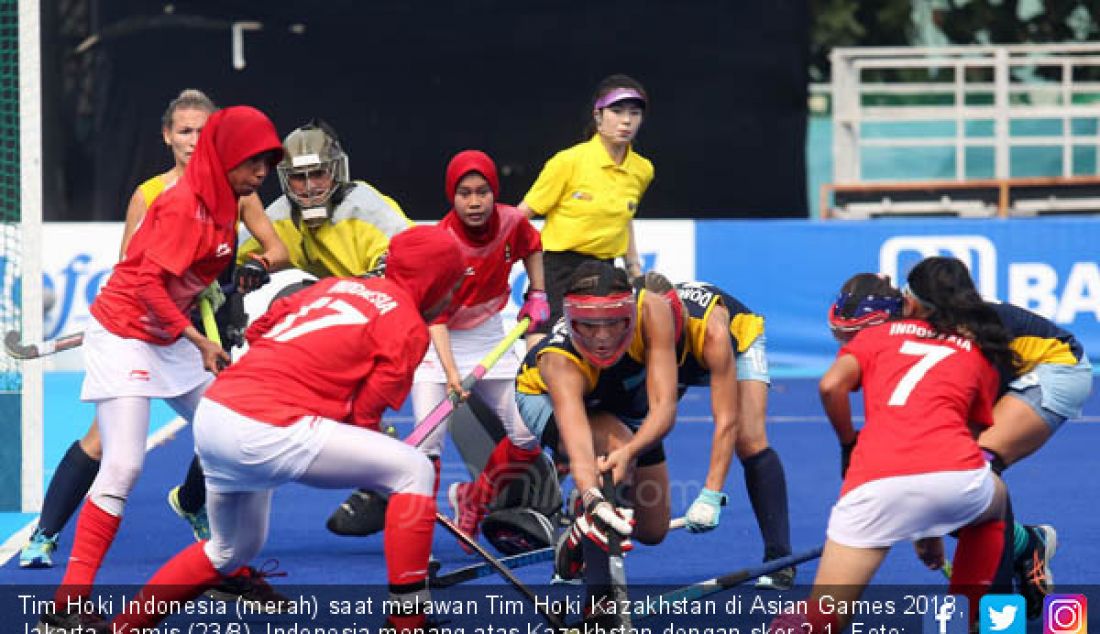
(791, 270)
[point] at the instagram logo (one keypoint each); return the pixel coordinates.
(1065, 614)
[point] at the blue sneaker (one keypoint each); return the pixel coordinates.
(1034, 578)
(37, 553)
(200, 525)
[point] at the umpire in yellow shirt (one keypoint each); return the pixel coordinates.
(590, 192)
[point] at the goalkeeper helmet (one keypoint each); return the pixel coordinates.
(314, 171)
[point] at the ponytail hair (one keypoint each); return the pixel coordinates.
(188, 99)
(944, 288)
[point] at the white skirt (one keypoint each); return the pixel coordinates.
(469, 347)
(117, 366)
(881, 513)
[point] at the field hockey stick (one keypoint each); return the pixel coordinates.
(541, 607)
(615, 564)
(477, 571)
(441, 412)
(209, 324)
(697, 591)
(16, 349)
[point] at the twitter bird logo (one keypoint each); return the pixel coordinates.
(1003, 614)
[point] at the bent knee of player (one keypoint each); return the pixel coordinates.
(228, 557)
(417, 476)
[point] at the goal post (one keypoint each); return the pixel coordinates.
(21, 389)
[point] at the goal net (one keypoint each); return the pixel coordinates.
(20, 253)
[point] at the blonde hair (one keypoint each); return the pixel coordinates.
(188, 99)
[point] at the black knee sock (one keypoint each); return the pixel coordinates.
(193, 490)
(767, 487)
(68, 487)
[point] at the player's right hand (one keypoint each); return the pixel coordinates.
(214, 358)
(253, 273)
(846, 455)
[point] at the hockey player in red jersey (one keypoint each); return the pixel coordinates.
(304, 405)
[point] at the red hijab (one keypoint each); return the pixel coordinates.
(462, 164)
(229, 137)
(426, 262)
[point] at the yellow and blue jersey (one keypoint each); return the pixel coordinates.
(1038, 340)
(699, 300)
(618, 389)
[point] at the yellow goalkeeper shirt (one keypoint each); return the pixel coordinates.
(349, 244)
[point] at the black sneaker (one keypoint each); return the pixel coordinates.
(782, 579)
(1034, 578)
(72, 623)
(251, 587)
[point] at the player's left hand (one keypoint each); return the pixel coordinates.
(454, 386)
(214, 358)
(705, 511)
(253, 273)
(536, 307)
(618, 462)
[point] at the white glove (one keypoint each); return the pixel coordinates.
(600, 516)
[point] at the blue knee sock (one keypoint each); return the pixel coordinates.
(68, 488)
(767, 488)
(193, 490)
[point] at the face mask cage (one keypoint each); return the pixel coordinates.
(601, 328)
(310, 169)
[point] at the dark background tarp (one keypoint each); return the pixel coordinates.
(407, 84)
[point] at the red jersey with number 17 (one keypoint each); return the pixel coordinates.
(920, 388)
(344, 348)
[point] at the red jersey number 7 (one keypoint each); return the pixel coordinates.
(930, 355)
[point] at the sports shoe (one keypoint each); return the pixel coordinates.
(1033, 575)
(72, 623)
(249, 586)
(468, 512)
(569, 554)
(200, 525)
(38, 551)
(782, 579)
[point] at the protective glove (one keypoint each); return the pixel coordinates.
(846, 455)
(536, 307)
(705, 511)
(599, 517)
(214, 295)
(253, 273)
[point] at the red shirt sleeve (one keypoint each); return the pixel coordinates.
(528, 240)
(390, 378)
(152, 290)
(175, 239)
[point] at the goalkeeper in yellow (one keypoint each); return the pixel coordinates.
(330, 224)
